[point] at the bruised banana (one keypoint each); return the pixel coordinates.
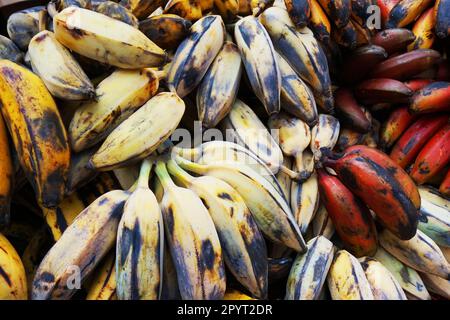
(324, 135)
(37, 131)
(195, 54)
(347, 280)
(103, 286)
(193, 241)
(140, 134)
(243, 126)
(442, 19)
(141, 8)
(115, 11)
(243, 246)
(267, 205)
(170, 289)
(118, 96)
(309, 270)
(80, 248)
(260, 62)
(218, 89)
(383, 284)
(408, 278)
(105, 39)
(8, 50)
(420, 253)
(140, 243)
(424, 31)
(305, 201)
(13, 283)
(319, 22)
(299, 11)
(339, 11)
(434, 97)
(405, 12)
(23, 25)
(6, 175)
(60, 72)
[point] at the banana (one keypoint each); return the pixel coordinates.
(195, 54)
(80, 248)
(383, 284)
(324, 135)
(243, 126)
(8, 50)
(258, 6)
(305, 201)
(406, 65)
(424, 31)
(244, 248)
(170, 289)
(434, 97)
(360, 62)
(267, 205)
(414, 139)
(141, 8)
(319, 22)
(260, 61)
(105, 39)
(6, 175)
(350, 112)
(405, 12)
(296, 97)
(166, 30)
(193, 241)
(444, 187)
(338, 10)
(236, 295)
(349, 137)
(62, 4)
(420, 253)
(79, 173)
(37, 131)
(140, 243)
(228, 9)
(307, 59)
(103, 286)
(188, 9)
(446, 252)
(437, 285)
(119, 95)
(382, 185)
(351, 218)
(442, 19)
(284, 180)
(60, 72)
(309, 271)
(322, 224)
(433, 157)
(383, 90)
(360, 12)
(293, 136)
(346, 279)
(23, 25)
(385, 8)
(408, 278)
(434, 217)
(299, 11)
(13, 284)
(140, 134)
(396, 124)
(418, 84)
(219, 87)
(115, 11)
(393, 40)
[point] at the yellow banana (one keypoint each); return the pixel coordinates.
(284, 180)
(140, 134)
(236, 295)
(324, 134)
(103, 286)
(140, 243)
(60, 72)
(193, 241)
(142, 8)
(228, 9)
(37, 131)
(119, 95)
(105, 39)
(6, 175)
(188, 9)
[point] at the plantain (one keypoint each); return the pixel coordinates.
(8, 50)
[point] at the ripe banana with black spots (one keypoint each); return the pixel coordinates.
(324, 135)
(434, 97)
(6, 175)
(195, 54)
(305, 201)
(23, 25)
(139, 135)
(141, 8)
(299, 11)
(243, 246)
(442, 19)
(405, 12)
(424, 31)
(105, 39)
(309, 270)
(260, 62)
(193, 241)
(37, 131)
(103, 285)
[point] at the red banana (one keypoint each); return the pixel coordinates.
(349, 137)
(444, 188)
(382, 185)
(383, 90)
(350, 111)
(351, 217)
(395, 125)
(434, 97)
(407, 65)
(393, 40)
(434, 156)
(411, 142)
(443, 72)
(417, 84)
(361, 62)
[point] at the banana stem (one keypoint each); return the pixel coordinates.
(192, 154)
(175, 170)
(163, 175)
(144, 173)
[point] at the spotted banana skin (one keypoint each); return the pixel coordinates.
(9, 50)
(81, 247)
(195, 54)
(170, 289)
(260, 62)
(324, 134)
(23, 25)
(141, 8)
(103, 285)
(13, 282)
(243, 245)
(115, 11)
(434, 216)
(193, 241)
(219, 87)
(308, 59)
(347, 280)
(383, 283)
(420, 253)
(408, 278)
(309, 271)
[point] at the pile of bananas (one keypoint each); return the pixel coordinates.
(331, 179)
